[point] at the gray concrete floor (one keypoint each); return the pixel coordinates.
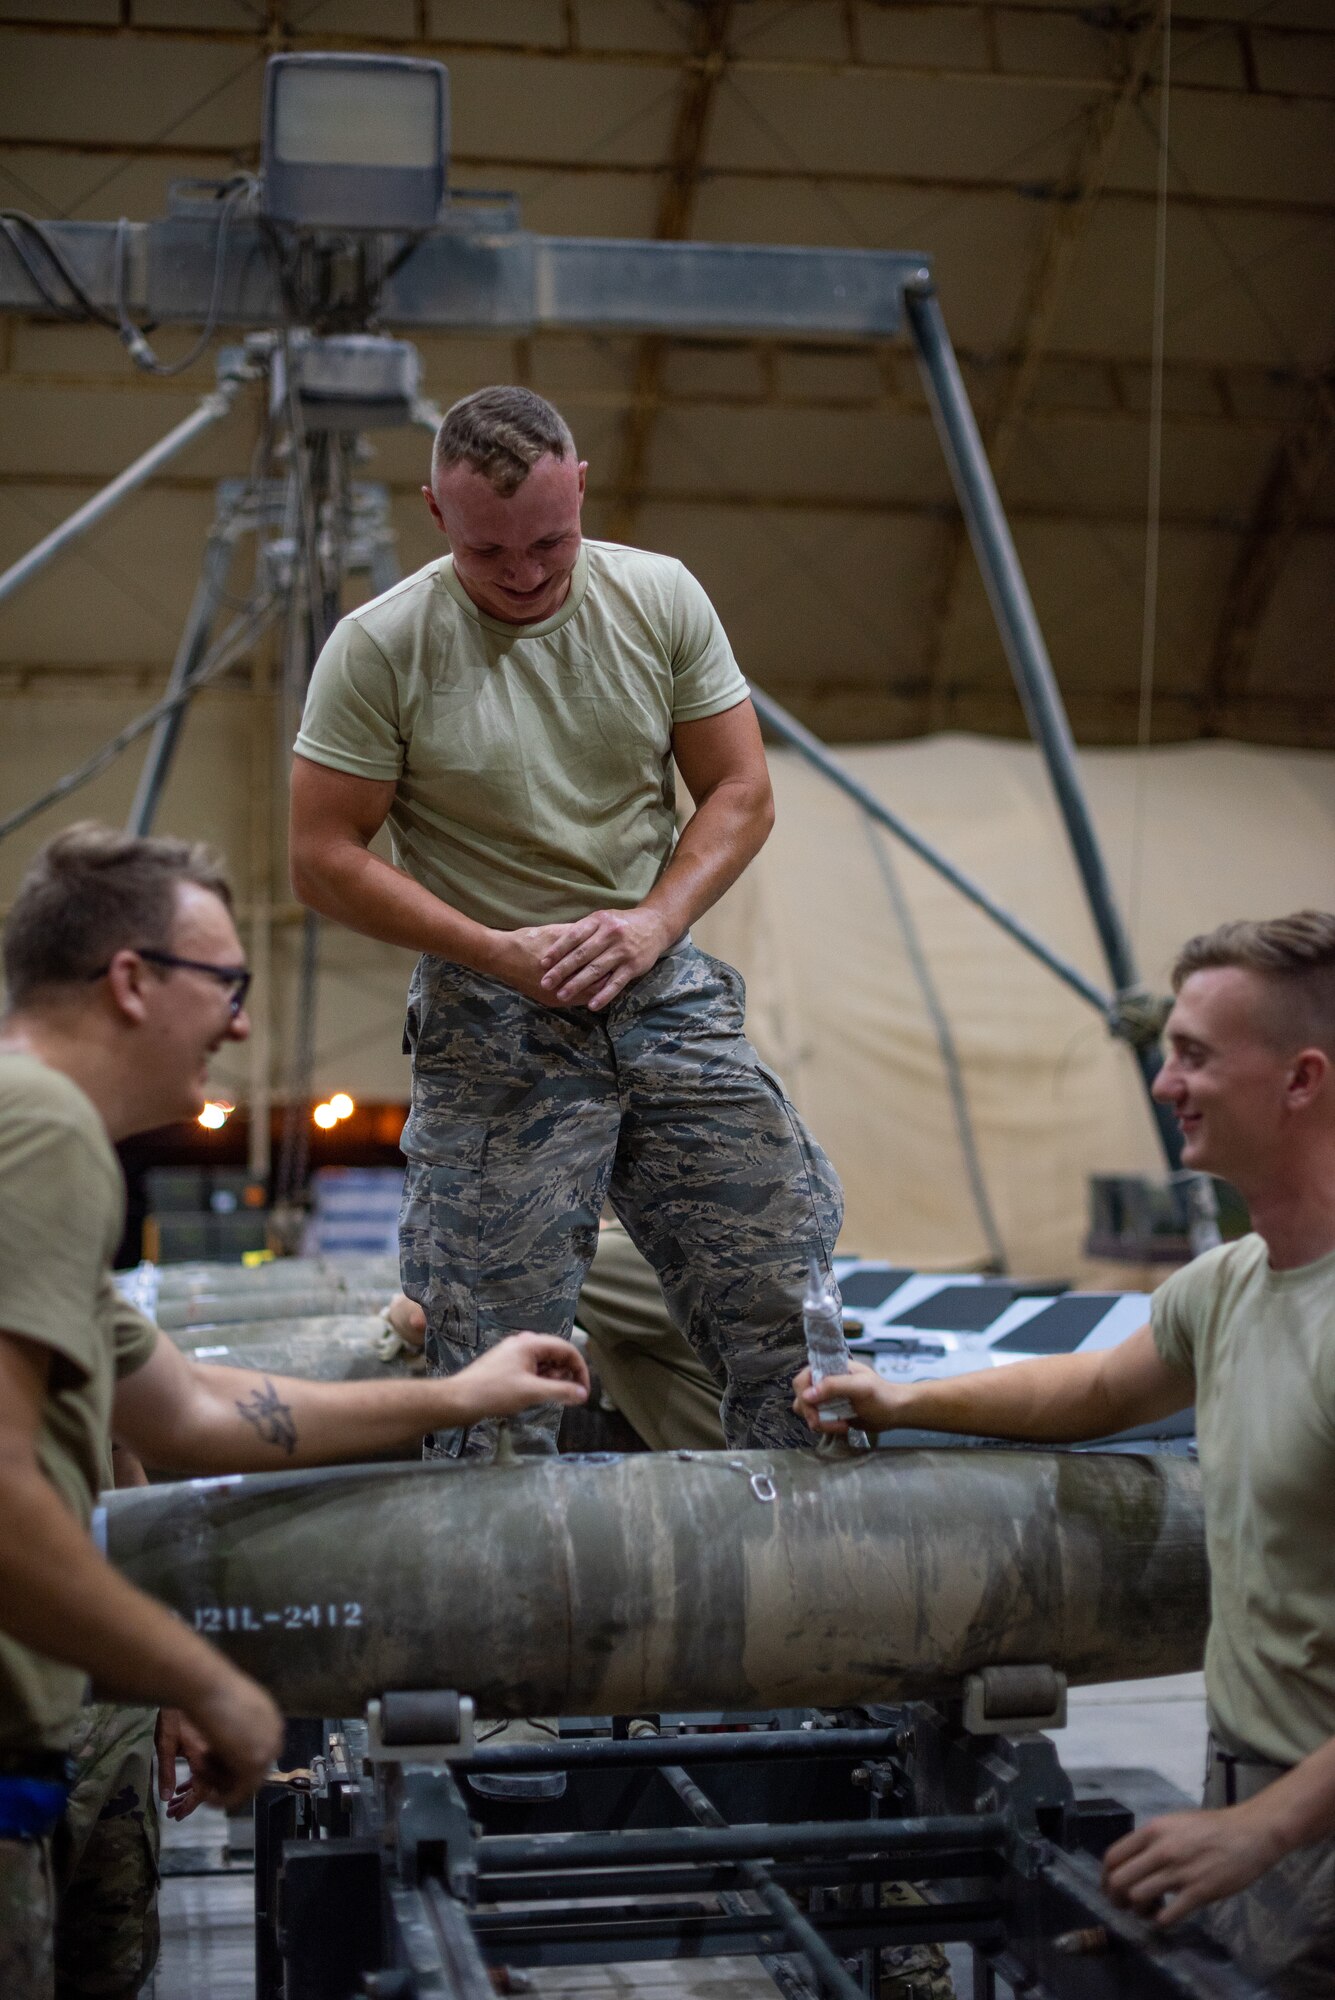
(1144, 1741)
(1124, 1724)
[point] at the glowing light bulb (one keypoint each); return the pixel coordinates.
(325, 1116)
(341, 1104)
(214, 1115)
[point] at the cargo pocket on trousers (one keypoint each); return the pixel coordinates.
(439, 1245)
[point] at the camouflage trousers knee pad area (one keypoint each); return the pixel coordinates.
(526, 1120)
(105, 1855)
(1281, 1930)
(78, 1909)
(27, 1920)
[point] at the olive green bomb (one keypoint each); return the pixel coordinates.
(680, 1580)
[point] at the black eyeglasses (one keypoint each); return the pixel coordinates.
(235, 977)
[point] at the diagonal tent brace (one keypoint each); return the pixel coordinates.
(787, 727)
(244, 631)
(210, 410)
(458, 278)
(209, 592)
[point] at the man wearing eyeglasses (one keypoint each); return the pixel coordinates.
(124, 975)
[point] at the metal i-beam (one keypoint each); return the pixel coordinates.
(689, 133)
(506, 282)
(1281, 509)
(1064, 230)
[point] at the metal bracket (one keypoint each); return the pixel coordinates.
(1014, 1701)
(434, 1834)
(435, 1726)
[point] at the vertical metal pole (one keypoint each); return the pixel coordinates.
(294, 1152)
(261, 917)
(321, 541)
(294, 1159)
(194, 643)
(1018, 625)
(378, 528)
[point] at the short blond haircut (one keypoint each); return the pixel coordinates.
(1296, 958)
(501, 432)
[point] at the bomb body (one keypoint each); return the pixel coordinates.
(338, 1348)
(333, 1348)
(681, 1580)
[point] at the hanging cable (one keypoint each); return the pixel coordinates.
(26, 235)
(1154, 484)
(945, 1042)
(134, 337)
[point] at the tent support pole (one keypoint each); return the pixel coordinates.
(209, 411)
(1022, 638)
(780, 723)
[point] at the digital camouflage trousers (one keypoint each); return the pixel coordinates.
(27, 1920)
(527, 1119)
(78, 1910)
(1282, 1929)
(105, 1854)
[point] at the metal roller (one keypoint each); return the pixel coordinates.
(594, 1586)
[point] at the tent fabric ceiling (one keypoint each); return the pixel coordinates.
(1016, 143)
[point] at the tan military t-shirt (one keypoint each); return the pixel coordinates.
(533, 763)
(1261, 1346)
(62, 1201)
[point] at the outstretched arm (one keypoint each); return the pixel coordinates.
(1064, 1398)
(184, 1416)
(59, 1597)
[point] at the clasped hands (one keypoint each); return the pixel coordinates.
(586, 963)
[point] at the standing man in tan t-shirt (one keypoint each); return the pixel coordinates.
(514, 712)
(1247, 1332)
(124, 974)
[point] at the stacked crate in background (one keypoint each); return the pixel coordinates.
(203, 1214)
(354, 1210)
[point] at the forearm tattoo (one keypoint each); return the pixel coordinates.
(271, 1417)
